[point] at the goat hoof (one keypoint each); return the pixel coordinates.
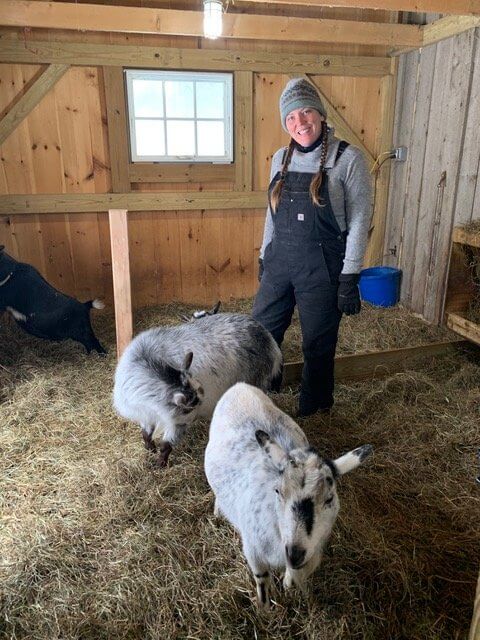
(165, 449)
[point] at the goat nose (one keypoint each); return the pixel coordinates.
(295, 556)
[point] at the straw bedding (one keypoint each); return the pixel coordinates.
(98, 543)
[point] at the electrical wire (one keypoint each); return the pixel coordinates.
(378, 162)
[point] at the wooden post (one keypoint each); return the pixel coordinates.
(122, 298)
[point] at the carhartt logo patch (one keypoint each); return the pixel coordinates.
(301, 217)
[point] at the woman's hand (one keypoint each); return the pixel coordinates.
(348, 294)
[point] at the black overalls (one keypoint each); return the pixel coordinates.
(301, 266)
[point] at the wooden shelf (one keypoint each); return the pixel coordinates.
(464, 327)
(462, 283)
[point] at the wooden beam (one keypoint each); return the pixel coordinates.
(117, 128)
(121, 277)
(447, 27)
(31, 98)
(376, 240)
(79, 53)
(94, 17)
(459, 7)
(464, 327)
(243, 121)
(133, 201)
(378, 364)
(181, 172)
(342, 128)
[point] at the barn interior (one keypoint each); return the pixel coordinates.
(96, 540)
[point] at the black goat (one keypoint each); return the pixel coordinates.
(42, 310)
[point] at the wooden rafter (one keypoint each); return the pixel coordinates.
(30, 99)
(92, 17)
(83, 53)
(458, 7)
(342, 128)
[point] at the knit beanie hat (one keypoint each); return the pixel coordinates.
(299, 93)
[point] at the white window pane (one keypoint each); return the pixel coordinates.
(210, 99)
(211, 138)
(150, 137)
(180, 138)
(179, 99)
(147, 98)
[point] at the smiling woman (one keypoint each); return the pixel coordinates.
(314, 240)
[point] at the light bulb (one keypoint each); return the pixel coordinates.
(212, 18)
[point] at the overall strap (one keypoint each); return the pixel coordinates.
(341, 148)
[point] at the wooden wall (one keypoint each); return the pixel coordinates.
(437, 118)
(196, 256)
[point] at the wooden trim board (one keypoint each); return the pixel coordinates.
(133, 201)
(363, 366)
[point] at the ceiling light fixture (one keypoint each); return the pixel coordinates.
(212, 18)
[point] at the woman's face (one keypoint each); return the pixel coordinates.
(304, 125)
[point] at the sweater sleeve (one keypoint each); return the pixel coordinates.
(268, 228)
(358, 210)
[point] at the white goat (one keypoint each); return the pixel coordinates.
(272, 486)
(154, 389)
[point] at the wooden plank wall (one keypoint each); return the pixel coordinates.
(437, 118)
(62, 146)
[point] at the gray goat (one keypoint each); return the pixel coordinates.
(162, 387)
(272, 486)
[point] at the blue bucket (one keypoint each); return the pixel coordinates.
(380, 286)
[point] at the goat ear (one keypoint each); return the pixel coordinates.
(185, 318)
(353, 459)
(214, 309)
(187, 361)
(272, 450)
(179, 399)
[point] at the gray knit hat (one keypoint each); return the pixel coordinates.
(297, 94)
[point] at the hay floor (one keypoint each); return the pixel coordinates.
(97, 543)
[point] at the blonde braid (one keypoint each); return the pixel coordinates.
(316, 182)
(277, 189)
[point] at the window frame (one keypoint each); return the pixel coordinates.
(188, 76)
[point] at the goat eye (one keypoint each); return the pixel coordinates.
(329, 501)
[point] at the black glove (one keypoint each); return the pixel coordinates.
(348, 294)
(260, 269)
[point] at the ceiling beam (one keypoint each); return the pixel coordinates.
(459, 7)
(447, 27)
(29, 100)
(441, 30)
(119, 55)
(93, 17)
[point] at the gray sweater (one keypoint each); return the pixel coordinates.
(350, 191)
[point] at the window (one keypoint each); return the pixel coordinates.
(178, 116)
